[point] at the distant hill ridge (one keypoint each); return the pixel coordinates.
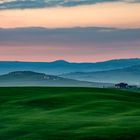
(61, 66)
(129, 75)
(30, 78)
(28, 73)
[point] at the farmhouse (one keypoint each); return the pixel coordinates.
(121, 85)
(124, 85)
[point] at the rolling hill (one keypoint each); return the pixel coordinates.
(40, 113)
(61, 66)
(29, 78)
(129, 75)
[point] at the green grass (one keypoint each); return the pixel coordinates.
(69, 113)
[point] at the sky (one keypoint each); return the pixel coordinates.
(72, 30)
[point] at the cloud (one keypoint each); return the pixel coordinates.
(23, 4)
(71, 36)
(98, 15)
(72, 44)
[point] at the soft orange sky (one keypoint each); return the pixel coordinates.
(72, 44)
(117, 14)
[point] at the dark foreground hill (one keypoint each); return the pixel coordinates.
(129, 75)
(69, 113)
(29, 78)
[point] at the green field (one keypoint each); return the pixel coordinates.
(69, 113)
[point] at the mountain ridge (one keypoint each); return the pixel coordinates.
(62, 60)
(61, 66)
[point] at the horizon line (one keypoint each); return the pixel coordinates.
(61, 60)
(73, 27)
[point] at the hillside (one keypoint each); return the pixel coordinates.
(130, 75)
(61, 66)
(29, 78)
(69, 113)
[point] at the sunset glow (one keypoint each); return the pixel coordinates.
(94, 32)
(100, 15)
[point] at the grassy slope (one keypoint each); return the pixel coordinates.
(68, 113)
